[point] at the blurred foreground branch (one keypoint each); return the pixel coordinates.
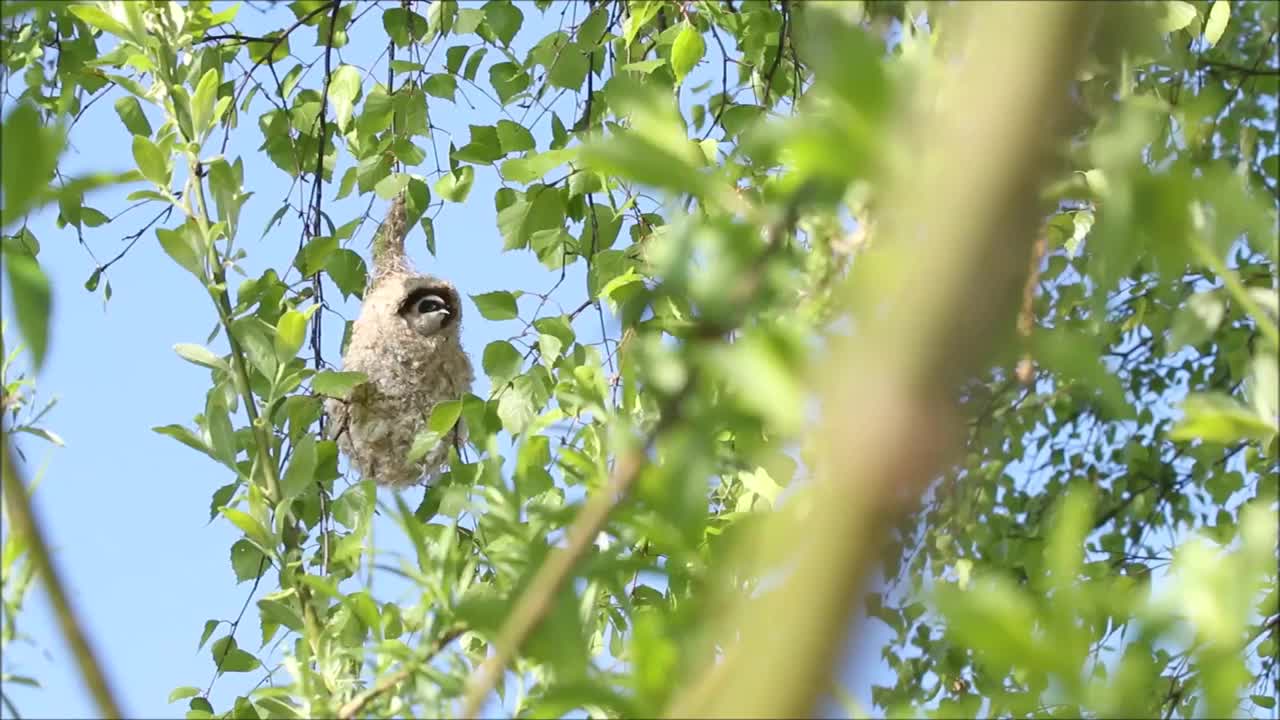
(18, 504)
(932, 305)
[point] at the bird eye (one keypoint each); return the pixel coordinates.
(430, 304)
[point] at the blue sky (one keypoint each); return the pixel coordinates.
(127, 509)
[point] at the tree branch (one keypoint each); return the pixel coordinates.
(933, 313)
(18, 503)
(1212, 64)
(392, 681)
(777, 58)
(537, 600)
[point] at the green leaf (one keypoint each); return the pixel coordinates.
(247, 561)
(429, 230)
(992, 617)
(629, 155)
(500, 305)
(42, 433)
(1264, 378)
(404, 26)
(1216, 24)
(520, 220)
(549, 348)
(131, 114)
(248, 525)
(1197, 320)
(182, 111)
(229, 658)
(687, 51)
(302, 468)
(280, 613)
(291, 330)
(177, 244)
(202, 119)
(30, 153)
(92, 217)
(483, 148)
(440, 17)
(391, 186)
(99, 19)
(315, 254)
(1221, 419)
(348, 271)
(200, 355)
(644, 67)
(501, 361)
(761, 483)
(848, 61)
(443, 417)
(473, 64)
(344, 92)
(558, 326)
(504, 19)
(199, 709)
(592, 31)
(640, 13)
(1081, 224)
(531, 462)
(31, 298)
(404, 67)
(454, 57)
(514, 137)
(151, 161)
(515, 406)
(508, 80)
(336, 384)
(570, 68)
(182, 693)
(209, 627)
(536, 166)
(1177, 15)
(455, 185)
(184, 436)
(275, 42)
(258, 340)
(442, 86)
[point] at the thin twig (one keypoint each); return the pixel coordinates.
(235, 99)
(392, 681)
(724, 81)
(133, 238)
(235, 625)
(537, 600)
(777, 58)
(1239, 68)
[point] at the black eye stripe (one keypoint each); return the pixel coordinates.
(428, 296)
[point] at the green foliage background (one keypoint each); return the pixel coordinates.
(1105, 543)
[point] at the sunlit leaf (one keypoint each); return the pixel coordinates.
(687, 51)
(1219, 418)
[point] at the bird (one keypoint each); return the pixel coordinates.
(407, 342)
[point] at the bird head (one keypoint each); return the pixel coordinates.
(430, 306)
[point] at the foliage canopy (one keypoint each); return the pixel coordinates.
(706, 184)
